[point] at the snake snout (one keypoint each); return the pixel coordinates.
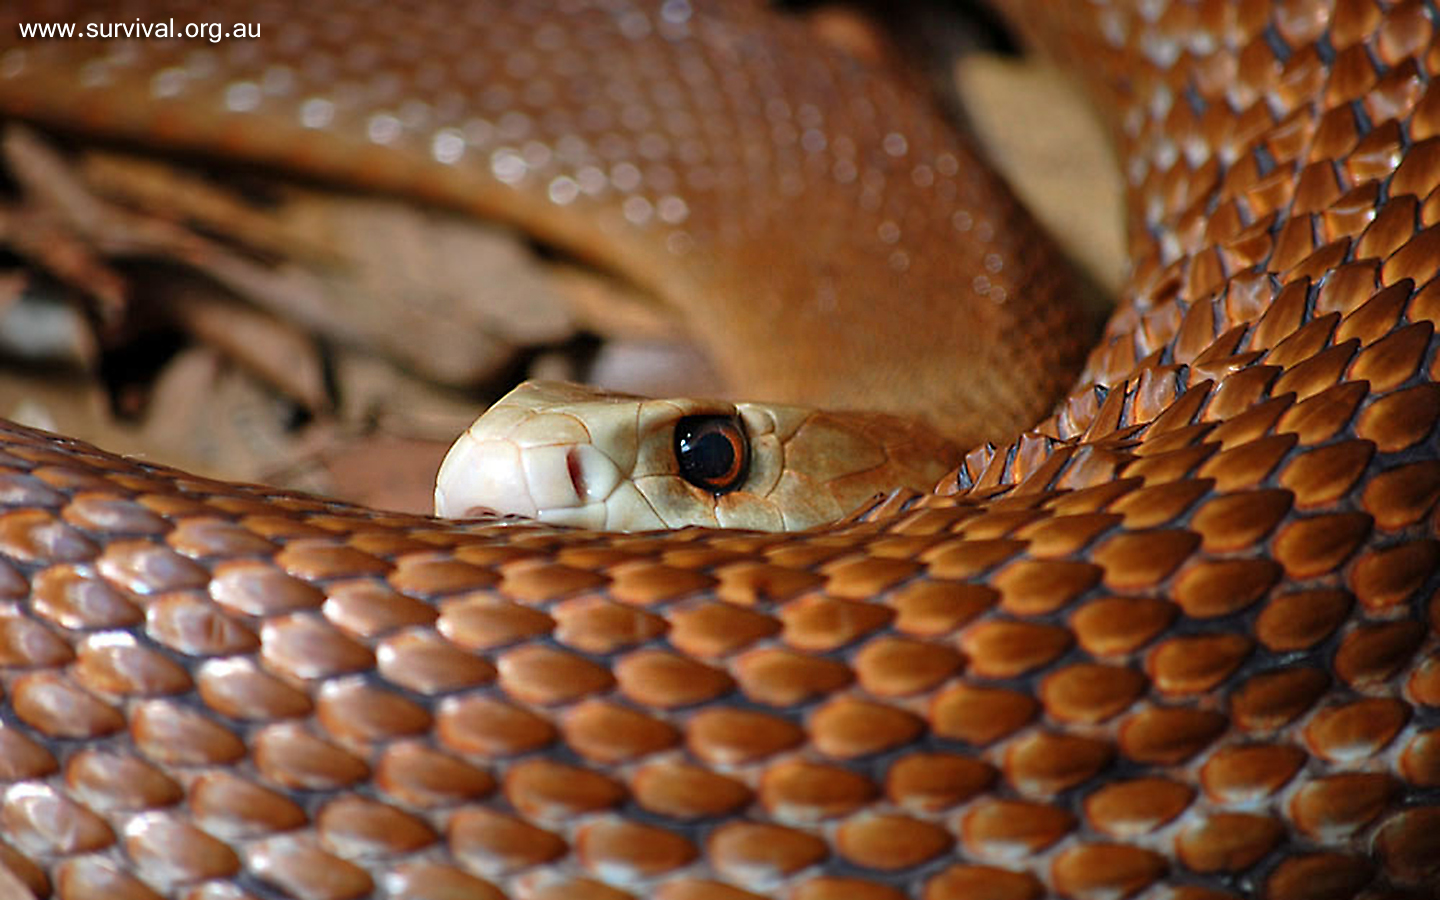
(482, 476)
(565, 483)
(575, 468)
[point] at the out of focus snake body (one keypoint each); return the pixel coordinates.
(1176, 641)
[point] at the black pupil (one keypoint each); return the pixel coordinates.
(712, 455)
(706, 454)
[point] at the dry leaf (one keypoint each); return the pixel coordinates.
(275, 351)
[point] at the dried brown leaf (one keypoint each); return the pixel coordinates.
(276, 351)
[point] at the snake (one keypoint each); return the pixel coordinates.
(575, 455)
(1174, 639)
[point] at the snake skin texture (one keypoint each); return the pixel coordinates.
(1176, 642)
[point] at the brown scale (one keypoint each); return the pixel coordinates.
(1176, 642)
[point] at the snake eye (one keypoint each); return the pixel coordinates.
(713, 452)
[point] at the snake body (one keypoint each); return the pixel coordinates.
(810, 217)
(1176, 641)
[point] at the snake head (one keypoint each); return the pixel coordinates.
(573, 455)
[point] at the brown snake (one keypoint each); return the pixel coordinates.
(1175, 642)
